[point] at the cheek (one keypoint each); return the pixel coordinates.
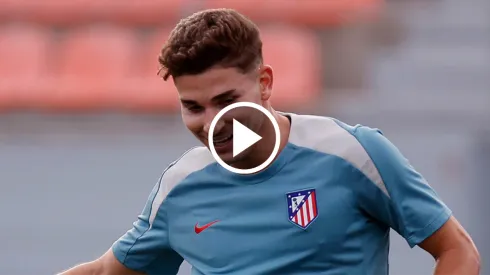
(257, 94)
(192, 122)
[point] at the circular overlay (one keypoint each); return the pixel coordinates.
(276, 144)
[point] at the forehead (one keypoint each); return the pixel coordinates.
(212, 82)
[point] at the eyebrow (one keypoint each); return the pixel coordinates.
(215, 98)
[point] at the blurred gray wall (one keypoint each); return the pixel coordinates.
(71, 186)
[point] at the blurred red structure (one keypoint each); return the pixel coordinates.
(99, 55)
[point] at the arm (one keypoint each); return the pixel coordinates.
(143, 249)
(454, 251)
(105, 265)
(402, 199)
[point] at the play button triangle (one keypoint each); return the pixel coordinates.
(243, 138)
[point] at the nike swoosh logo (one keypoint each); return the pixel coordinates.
(200, 229)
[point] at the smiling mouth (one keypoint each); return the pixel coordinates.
(222, 141)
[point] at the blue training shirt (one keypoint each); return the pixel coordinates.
(324, 206)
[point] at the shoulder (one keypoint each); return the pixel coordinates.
(334, 137)
(331, 136)
(191, 161)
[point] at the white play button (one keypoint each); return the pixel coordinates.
(243, 138)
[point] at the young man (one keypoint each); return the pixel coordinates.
(324, 206)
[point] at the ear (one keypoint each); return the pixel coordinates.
(266, 78)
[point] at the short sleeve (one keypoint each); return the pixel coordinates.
(145, 247)
(401, 198)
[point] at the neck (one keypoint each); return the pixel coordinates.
(262, 150)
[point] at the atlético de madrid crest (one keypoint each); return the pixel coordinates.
(302, 207)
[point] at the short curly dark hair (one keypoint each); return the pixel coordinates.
(213, 37)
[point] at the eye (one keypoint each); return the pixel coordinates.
(195, 108)
(228, 101)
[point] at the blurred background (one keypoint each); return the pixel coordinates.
(87, 127)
